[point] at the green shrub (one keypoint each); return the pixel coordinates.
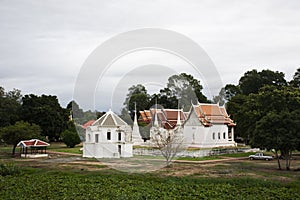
(9, 169)
(70, 138)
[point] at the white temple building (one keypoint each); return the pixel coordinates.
(204, 126)
(208, 126)
(108, 137)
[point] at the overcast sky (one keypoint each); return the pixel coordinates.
(43, 44)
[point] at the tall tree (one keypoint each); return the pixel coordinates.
(13, 134)
(253, 80)
(46, 112)
(136, 93)
(243, 104)
(243, 110)
(164, 98)
(75, 110)
(10, 104)
(296, 79)
(139, 102)
(231, 91)
(186, 89)
(278, 131)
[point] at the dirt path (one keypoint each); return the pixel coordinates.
(224, 159)
(64, 153)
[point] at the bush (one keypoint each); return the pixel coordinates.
(9, 169)
(70, 138)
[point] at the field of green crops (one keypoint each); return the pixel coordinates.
(110, 184)
(73, 177)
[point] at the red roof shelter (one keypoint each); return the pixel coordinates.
(33, 148)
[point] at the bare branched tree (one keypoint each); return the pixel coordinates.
(169, 142)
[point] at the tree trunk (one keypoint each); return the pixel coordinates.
(287, 163)
(14, 149)
(288, 160)
(278, 160)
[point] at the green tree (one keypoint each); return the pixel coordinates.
(135, 89)
(296, 79)
(231, 91)
(164, 98)
(243, 110)
(21, 130)
(136, 94)
(141, 101)
(75, 110)
(253, 80)
(70, 138)
(243, 105)
(47, 113)
(186, 89)
(10, 104)
(278, 131)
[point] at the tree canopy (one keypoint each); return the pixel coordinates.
(70, 138)
(296, 79)
(266, 110)
(46, 112)
(10, 104)
(181, 89)
(253, 80)
(21, 130)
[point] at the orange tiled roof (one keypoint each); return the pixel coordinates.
(213, 114)
(166, 117)
(208, 115)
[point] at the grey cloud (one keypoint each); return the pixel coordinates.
(48, 41)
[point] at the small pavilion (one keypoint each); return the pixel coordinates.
(33, 148)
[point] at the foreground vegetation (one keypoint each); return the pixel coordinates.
(53, 184)
(73, 177)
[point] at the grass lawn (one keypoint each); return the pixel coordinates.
(200, 158)
(61, 147)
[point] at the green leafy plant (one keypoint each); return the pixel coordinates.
(9, 169)
(70, 138)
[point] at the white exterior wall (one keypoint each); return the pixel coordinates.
(200, 136)
(197, 135)
(127, 150)
(105, 148)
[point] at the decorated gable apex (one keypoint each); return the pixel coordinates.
(110, 119)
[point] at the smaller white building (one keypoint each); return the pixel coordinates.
(209, 126)
(108, 137)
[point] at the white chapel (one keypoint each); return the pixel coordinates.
(108, 137)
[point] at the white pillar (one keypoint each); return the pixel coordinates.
(232, 133)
